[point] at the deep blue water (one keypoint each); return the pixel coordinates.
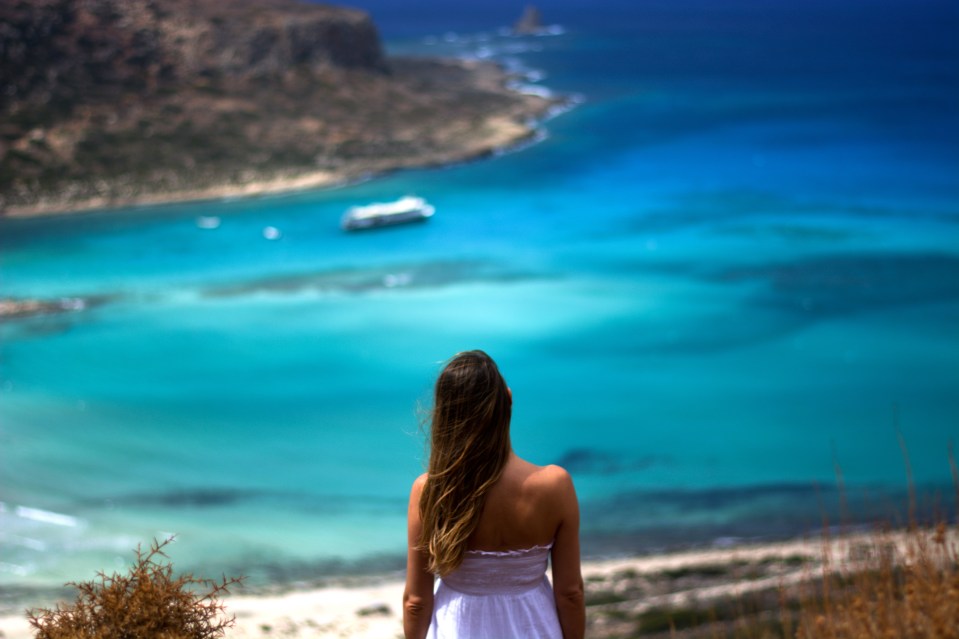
(729, 270)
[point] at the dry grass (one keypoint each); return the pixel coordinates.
(896, 587)
(146, 603)
(888, 584)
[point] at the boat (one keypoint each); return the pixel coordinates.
(208, 222)
(406, 209)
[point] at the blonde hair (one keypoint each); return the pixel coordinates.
(469, 447)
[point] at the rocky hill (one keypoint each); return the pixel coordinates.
(106, 102)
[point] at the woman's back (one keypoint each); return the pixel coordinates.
(488, 523)
(521, 508)
(500, 590)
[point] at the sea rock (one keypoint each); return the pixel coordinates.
(375, 609)
(530, 22)
(19, 308)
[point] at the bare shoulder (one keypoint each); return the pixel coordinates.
(552, 478)
(418, 484)
(553, 487)
(559, 477)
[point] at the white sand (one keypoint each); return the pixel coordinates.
(282, 184)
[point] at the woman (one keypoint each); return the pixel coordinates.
(485, 522)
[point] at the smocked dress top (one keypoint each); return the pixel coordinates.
(496, 595)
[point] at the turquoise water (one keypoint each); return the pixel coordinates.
(731, 267)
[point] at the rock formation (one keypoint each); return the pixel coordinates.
(530, 22)
(61, 53)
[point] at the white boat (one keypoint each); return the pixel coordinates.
(208, 222)
(406, 209)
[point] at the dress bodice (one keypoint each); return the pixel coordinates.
(509, 572)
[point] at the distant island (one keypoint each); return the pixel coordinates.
(114, 102)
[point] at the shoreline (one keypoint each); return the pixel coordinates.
(459, 141)
(253, 188)
(698, 577)
(504, 133)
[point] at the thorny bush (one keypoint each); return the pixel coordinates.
(146, 603)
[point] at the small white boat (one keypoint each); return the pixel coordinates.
(208, 222)
(406, 209)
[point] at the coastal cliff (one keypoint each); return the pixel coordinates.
(110, 102)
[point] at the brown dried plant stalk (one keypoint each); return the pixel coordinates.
(905, 588)
(146, 603)
(897, 586)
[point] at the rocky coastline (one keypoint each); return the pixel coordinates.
(17, 308)
(106, 103)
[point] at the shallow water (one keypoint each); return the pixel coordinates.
(730, 269)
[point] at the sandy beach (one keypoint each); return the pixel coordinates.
(497, 133)
(614, 588)
(465, 131)
(277, 184)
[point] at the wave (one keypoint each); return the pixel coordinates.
(30, 534)
(532, 89)
(46, 516)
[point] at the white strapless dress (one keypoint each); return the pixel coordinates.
(496, 595)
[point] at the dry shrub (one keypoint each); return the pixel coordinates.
(895, 586)
(146, 603)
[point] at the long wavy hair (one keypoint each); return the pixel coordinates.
(469, 447)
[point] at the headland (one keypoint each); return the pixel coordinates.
(110, 103)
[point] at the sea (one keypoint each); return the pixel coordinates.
(722, 282)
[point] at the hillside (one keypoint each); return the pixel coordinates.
(109, 102)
